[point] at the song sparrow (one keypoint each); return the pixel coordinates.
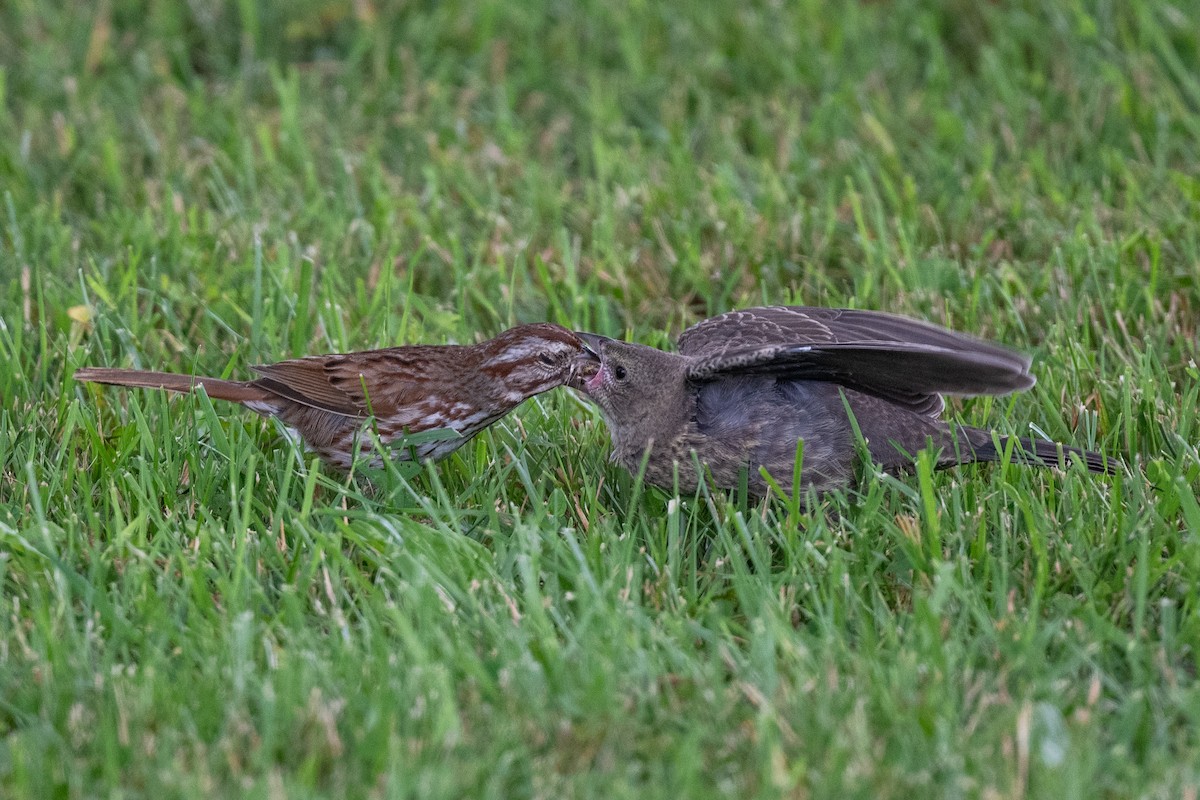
(747, 386)
(329, 399)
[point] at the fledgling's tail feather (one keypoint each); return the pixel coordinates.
(217, 388)
(1041, 453)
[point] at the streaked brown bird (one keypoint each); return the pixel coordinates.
(747, 386)
(329, 399)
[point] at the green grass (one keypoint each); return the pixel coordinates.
(188, 608)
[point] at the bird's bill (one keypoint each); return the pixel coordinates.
(593, 343)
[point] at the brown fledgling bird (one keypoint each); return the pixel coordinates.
(747, 386)
(330, 399)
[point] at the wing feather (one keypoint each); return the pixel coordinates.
(355, 384)
(906, 361)
(308, 381)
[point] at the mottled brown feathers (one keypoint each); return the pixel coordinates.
(328, 399)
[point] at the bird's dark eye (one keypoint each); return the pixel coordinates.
(619, 372)
(546, 359)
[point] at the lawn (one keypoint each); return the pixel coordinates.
(191, 607)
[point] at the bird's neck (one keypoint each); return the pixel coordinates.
(661, 431)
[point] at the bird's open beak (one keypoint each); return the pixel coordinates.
(587, 363)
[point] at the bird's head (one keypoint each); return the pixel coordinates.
(531, 359)
(635, 386)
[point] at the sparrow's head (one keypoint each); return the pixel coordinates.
(531, 359)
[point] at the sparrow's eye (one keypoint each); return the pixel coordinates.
(619, 372)
(546, 359)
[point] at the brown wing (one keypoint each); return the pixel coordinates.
(756, 327)
(902, 360)
(357, 384)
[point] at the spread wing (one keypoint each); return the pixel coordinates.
(906, 361)
(356, 384)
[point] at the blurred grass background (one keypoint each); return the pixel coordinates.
(189, 609)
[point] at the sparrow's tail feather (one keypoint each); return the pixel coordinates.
(217, 388)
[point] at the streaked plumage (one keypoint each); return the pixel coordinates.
(328, 399)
